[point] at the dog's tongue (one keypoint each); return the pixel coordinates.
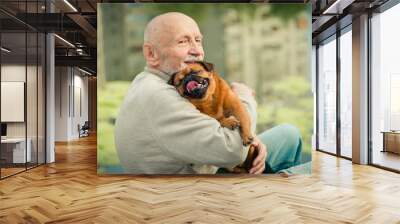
(191, 85)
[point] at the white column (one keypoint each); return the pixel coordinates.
(50, 93)
(360, 90)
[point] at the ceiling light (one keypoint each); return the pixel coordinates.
(5, 49)
(331, 7)
(70, 5)
(64, 40)
(338, 6)
(84, 71)
(79, 51)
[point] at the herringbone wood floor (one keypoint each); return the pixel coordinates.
(69, 191)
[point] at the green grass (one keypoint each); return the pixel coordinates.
(110, 98)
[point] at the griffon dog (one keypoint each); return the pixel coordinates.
(211, 95)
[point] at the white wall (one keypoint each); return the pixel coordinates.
(17, 73)
(71, 93)
(62, 81)
(33, 126)
(11, 73)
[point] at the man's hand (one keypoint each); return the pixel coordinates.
(259, 162)
(242, 89)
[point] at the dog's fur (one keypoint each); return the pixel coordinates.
(210, 94)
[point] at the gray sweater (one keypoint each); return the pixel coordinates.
(159, 132)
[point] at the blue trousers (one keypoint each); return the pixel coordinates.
(284, 147)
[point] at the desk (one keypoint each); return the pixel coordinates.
(391, 141)
(16, 147)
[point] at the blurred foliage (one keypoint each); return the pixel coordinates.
(199, 10)
(290, 101)
(109, 100)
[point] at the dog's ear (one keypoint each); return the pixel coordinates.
(172, 79)
(208, 66)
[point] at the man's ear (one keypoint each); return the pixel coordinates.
(150, 55)
(208, 66)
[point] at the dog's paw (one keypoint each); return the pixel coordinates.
(230, 122)
(239, 170)
(247, 140)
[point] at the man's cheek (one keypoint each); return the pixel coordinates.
(202, 52)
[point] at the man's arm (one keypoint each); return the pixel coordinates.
(191, 136)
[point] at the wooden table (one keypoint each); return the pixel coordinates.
(13, 150)
(391, 141)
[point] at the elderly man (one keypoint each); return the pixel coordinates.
(160, 132)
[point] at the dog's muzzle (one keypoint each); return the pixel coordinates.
(195, 86)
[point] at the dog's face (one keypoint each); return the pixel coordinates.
(196, 81)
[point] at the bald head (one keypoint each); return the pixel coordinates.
(164, 25)
(170, 40)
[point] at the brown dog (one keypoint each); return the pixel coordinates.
(210, 94)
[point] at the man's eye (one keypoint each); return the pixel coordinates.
(182, 41)
(198, 40)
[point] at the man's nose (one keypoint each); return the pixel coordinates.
(195, 49)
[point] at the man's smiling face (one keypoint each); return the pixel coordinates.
(183, 44)
(175, 39)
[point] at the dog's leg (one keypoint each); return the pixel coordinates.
(251, 155)
(238, 110)
(230, 122)
(247, 164)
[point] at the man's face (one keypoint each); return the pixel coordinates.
(182, 43)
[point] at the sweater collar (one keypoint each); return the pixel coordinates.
(164, 76)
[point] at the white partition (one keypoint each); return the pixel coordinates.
(12, 101)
